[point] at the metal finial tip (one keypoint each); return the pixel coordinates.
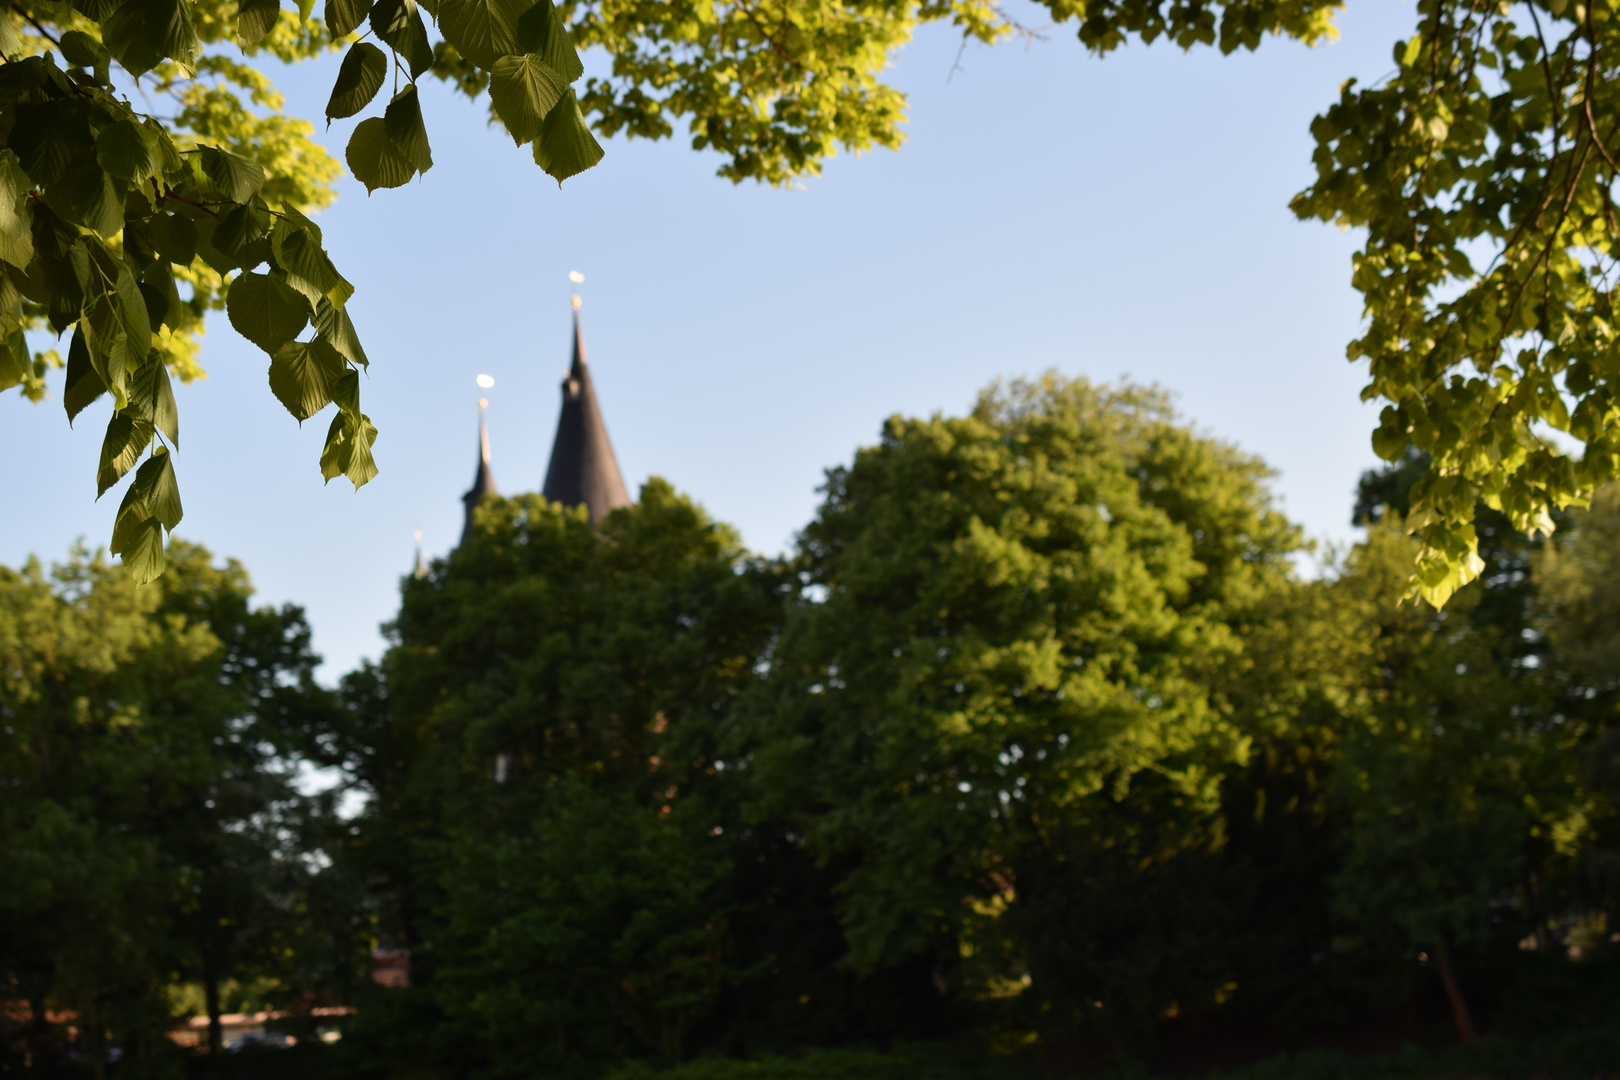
(575, 301)
(486, 381)
(483, 403)
(576, 277)
(418, 535)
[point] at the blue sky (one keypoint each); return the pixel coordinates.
(1125, 216)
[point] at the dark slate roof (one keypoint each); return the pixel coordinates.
(483, 479)
(583, 468)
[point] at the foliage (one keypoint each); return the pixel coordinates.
(996, 693)
(1482, 171)
(553, 820)
(152, 831)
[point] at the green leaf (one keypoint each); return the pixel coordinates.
(95, 199)
(334, 328)
(297, 251)
(344, 16)
(141, 34)
(255, 19)
(346, 391)
(523, 89)
(131, 309)
(566, 146)
(163, 305)
(126, 438)
(235, 178)
(174, 237)
(127, 151)
(140, 546)
(403, 122)
(82, 50)
(169, 160)
(374, 159)
(399, 25)
(11, 368)
(151, 397)
(348, 449)
(238, 234)
(483, 31)
(83, 385)
(47, 137)
(302, 374)
(159, 489)
(16, 215)
(11, 46)
(267, 312)
(364, 68)
(541, 31)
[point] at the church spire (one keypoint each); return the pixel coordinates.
(583, 468)
(483, 479)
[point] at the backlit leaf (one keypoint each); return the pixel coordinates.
(359, 78)
(126, 440)
(16, 215)
(482, 30)
(83, 385)
(267, 312)
(523, 89)
(127, 151)
(235, 178)
(334, 327)
(174, 237)
(302, 374)
(374, 159)
(403, 122)
(141, 34)
(566, 146)
(399, 25)
(344, 16)
(542, 32)
(255, 19)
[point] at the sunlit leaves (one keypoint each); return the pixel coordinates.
(103, 220)
(359, 78)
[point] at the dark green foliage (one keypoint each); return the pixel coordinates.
(150, 833)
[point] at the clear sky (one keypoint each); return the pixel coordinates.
(1050, 210)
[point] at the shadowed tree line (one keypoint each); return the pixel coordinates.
(1039, 743)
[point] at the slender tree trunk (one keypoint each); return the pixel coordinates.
(1459, 1007)
(216, 1031)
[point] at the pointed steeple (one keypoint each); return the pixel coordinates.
(483, 479)
(421, 560)
(583, 468)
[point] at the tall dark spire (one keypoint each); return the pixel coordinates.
(483, 479)
(583, 468)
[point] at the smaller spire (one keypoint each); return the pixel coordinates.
(483, 479)
(421, 560)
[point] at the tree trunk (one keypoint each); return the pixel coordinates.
(1459, 1007)
(216, 1031)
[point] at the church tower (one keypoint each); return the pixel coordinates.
(583, 468)
(483, 479)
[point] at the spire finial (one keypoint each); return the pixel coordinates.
(421, 562)
(578, 279)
